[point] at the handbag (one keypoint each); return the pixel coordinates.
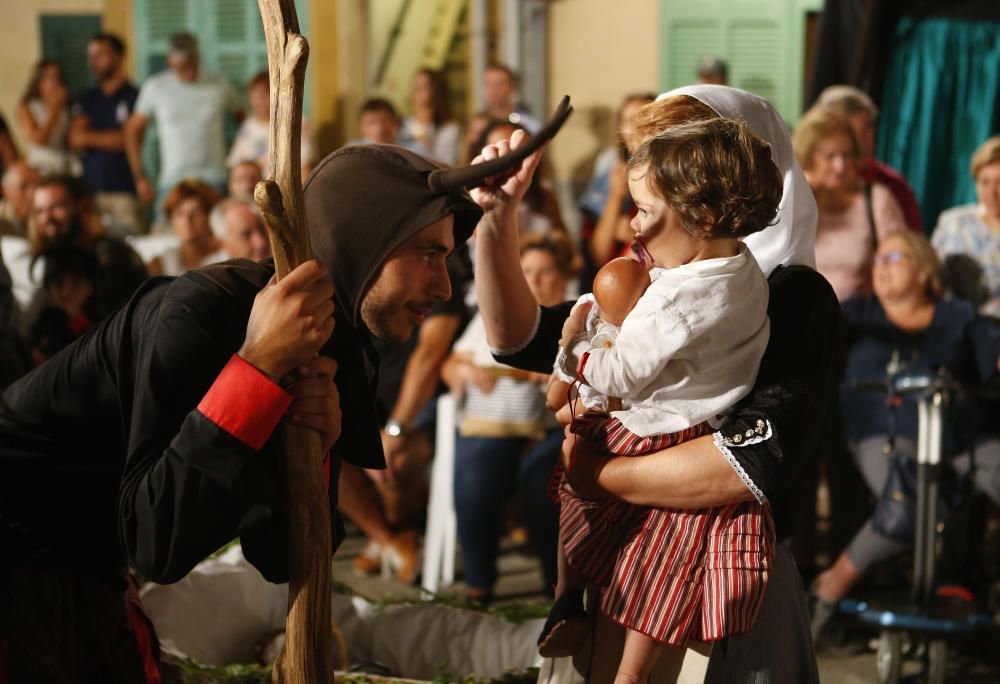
(895, 514)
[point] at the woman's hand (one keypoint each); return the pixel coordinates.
(583, 463)
(500, 197)
(317, 403)
(56, 98)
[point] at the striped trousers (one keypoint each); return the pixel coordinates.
(671, 574)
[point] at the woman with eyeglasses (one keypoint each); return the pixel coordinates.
(905, 327)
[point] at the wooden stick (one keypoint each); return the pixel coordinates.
(308, 654)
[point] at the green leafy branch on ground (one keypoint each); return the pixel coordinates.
(187, 671)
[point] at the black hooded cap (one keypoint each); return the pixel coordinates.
(363, 201)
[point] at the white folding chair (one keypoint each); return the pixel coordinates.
(440, 539)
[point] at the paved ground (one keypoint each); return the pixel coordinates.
(847, 657)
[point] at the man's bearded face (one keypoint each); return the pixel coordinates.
(411, 279)
(55, 212)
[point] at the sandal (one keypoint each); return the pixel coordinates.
(566, 627)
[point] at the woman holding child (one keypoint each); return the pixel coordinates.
(733, 464)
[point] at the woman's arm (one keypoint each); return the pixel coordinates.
(506, 304)
(603, 239)
(691, 475)
(38, 133)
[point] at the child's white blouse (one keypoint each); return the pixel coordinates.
(688, 350)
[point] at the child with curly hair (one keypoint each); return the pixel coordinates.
(679, 350)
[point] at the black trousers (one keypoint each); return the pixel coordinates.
(61, 626)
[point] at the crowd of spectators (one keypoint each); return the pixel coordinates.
(84, 220)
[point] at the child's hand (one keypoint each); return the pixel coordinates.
(564, 416)
(575, 324)
(556, 394)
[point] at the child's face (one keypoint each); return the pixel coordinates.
(661, 231)
(378, 126)
(71, 292)
(260, 101)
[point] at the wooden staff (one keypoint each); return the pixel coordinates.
(308, 655)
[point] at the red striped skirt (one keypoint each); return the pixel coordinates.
(671, 574)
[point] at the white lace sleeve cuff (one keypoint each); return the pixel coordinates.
(724, 445)
(507, 351)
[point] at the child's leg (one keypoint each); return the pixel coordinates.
(638, 658)
(569, 579)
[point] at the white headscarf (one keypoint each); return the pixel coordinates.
(792, 239)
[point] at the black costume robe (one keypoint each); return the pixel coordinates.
(129, 447)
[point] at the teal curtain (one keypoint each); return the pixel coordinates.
(938, 105)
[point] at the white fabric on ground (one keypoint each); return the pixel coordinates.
(224, 607)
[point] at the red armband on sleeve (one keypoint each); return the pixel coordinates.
(245, 403)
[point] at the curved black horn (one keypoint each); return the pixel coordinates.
(474, 176)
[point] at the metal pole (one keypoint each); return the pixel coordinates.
(933, 471)
(923, 444)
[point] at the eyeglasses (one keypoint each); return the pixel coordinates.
(893, 257)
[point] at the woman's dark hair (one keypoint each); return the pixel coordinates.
(261, 78)
(69, 260)
(440, 98)
(33, 91)
(557, 244)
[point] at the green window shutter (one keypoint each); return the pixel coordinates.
(755, 58)
(229, 32)
(155, 22)
(238, 50)
(166, 17)
(64, 39)
(763, 41)
(687, 40)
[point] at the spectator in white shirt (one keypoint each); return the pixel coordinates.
(190, 110)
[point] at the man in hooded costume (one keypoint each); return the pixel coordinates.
(148, 442)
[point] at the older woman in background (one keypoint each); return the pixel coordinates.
(854, 104)
(905, 327)
(973, 230)
(853, 218)
(508, 441)
(187, 206)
